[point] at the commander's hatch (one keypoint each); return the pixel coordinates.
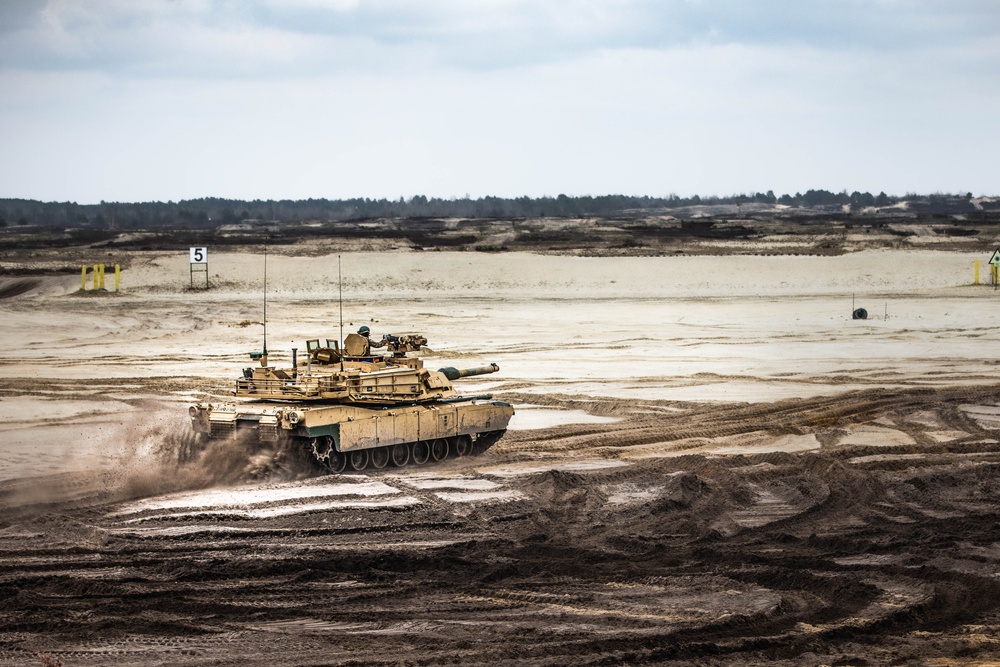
(323, 354)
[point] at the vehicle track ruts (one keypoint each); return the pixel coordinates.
(876, 555)
(789, 416)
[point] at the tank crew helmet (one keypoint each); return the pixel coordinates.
(364, 331)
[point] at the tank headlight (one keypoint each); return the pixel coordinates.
(294, 417)
(192, 411)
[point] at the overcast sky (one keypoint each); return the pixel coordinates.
(131, 100)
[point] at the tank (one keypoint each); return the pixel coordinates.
(345, 407)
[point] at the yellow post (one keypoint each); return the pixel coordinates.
(83, 278)
(102, 277)
(118, 277)
(993, 272)
(975, 272)
(96, 278)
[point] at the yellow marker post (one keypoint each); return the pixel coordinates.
(83, 278)
(94, 286)
(975, 272)
(118, 277)
(102, 277)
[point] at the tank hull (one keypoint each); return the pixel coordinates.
(339, 436)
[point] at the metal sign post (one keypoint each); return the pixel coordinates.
(199, 258)
(994, 264)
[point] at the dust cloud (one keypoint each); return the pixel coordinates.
(155, 455)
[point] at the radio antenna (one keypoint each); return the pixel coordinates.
(265, 297)
(340, 286)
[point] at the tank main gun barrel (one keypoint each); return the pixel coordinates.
(454, 373)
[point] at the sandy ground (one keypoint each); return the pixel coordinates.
(711, 463)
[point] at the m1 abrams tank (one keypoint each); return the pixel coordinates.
(345, 407)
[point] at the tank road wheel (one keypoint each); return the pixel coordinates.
(462, 446)
(439, 449)
(380, 457)
(421, 452)
(358, 459)
(400, 455)
(337, 461)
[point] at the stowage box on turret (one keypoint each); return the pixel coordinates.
(346, 407)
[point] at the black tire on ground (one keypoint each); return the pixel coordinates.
(420, 452)
(400, 455)
(380, 457)
(859, 314)
(358, 459)
(462, 446)
(439, 449)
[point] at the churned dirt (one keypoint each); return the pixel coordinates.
(711, 463)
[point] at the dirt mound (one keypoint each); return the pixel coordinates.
(562, 491)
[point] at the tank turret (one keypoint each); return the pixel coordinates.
(345, 405)
(351, 374)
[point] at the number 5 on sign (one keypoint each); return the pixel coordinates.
(199, 255)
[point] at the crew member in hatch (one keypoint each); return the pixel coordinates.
(366, 333)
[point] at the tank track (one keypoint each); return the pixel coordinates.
(320, 455)
(323, 453)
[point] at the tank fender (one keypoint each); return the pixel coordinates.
(332, 430)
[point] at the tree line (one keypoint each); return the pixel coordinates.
(211, 212)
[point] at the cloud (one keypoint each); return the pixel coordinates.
(266, 38)
(114, 99)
